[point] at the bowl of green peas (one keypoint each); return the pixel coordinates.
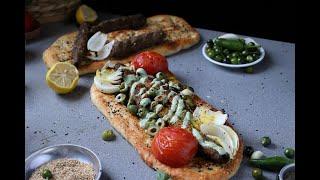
(230, 50)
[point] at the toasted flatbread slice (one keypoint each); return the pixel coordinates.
(180, 35)
(128, 126)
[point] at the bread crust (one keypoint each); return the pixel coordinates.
(180, 35)
(128, 126)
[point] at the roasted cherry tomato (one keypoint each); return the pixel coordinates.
(174, 146)
(150, 61)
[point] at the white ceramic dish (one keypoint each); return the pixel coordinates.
(71, 151)
(247, 40)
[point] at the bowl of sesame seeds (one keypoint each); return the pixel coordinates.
(63, 161)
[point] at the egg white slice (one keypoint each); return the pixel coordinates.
(205, 115)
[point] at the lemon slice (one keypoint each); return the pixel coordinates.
(63, 77)
(86, 14)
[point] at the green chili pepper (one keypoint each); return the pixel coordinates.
(231, 44)
(271, 163)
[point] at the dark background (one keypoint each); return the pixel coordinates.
(268, 19)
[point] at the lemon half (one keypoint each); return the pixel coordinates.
(63, 77)
(86, 14)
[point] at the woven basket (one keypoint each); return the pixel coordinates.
(52, 10)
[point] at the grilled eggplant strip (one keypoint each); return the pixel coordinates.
(126, 22)
(137, 43)
(79, 50)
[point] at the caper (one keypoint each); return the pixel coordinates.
(108, 135)
(46, 174)
(289, 153)
(120, 98)
(257, 173)
(142, 112)
(133, 109)
(265, 141)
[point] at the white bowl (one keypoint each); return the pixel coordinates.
(247, 40)
(71, 151)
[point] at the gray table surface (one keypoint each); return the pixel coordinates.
(259, 104)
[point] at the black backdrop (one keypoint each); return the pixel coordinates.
(269, 19)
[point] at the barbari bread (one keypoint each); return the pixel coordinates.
(127, 125)
(179, 35)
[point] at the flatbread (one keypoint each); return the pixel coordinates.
(180, 35)
(128, 126)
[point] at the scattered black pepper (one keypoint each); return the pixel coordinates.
(124, 177)
(27, 126)
(287, 81)
(98, 117)
(35, 132)
(132, 162)
(223, 111)
(67, 127)
(281, 73)
(257, 130)
(66, 134)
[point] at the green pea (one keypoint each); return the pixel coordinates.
(249, 58)
(244, 52)
(217, 50)
(234, 60)
(133, 109)
(46, 174)
(265, 141)
(257, 173)
(235, 54)
(289, 153)
(219, 57)
(108, 135)
(249, 70)
(211, 53)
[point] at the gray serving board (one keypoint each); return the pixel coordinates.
(259, 104)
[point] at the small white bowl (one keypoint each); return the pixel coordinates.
(247, 40)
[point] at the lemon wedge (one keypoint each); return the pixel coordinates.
(86, 14)
(63, 77)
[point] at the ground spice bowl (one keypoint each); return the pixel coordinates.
(71, 151)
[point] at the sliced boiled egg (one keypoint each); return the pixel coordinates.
(223, 136)
(203, 115)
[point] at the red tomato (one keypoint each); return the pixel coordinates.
(174, 146)
(150, 61)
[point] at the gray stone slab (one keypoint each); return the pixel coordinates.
(259, 104)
